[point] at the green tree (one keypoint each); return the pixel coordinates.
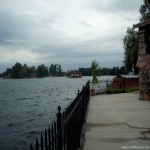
(130, 44)
(25, 70)
(17, 71)
(85, 71)
(59, 70)
(42, 70)
(95, 71)
(145, 10)
(113, 71)
(51, 70)
(33, 69)
(55, 70)
(123, 70)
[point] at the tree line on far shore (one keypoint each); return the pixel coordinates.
(105, 71)
(24, 71)
(55, 70)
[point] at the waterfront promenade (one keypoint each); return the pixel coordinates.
(117, 122)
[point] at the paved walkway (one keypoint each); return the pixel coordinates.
(117, 122)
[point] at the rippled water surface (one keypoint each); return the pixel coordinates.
(27, 107)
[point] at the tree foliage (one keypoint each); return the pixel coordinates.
(105, 71)
(95, 71)
(130, 44)
(42, 70)
(85, 71)
(24, 71)
(17, 71)
(145, 10)
(55, 70)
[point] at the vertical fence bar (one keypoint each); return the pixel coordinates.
(49, 137)
(45, 139)
(37, 144)
(41, 141)
(59, 128)
(31, 147)
(52, 131)
(55, 135)
(64, 130)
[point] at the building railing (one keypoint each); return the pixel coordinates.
(66, 133)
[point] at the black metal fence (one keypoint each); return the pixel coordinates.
(66, 133)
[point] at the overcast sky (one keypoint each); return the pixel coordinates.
(71, 33)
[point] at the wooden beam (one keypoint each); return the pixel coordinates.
(141, 24)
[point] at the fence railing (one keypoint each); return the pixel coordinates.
(66, 133)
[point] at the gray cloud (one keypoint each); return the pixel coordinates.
(115, 6)
(68, 32)
(85, 24)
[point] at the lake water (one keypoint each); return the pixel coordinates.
(27, 106)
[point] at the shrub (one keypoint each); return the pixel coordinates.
(121, 90)
(115, 91)
(127, 90)
(109, 91)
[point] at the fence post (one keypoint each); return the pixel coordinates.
(41, 141)
(59, 128)
(31, 148)
(45, 139)
(37, 144)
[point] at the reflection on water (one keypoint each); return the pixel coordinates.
(27, 106)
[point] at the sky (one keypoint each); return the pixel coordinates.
(71, 33)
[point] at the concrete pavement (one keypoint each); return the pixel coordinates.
(117, 122)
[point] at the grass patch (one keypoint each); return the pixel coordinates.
(117, 90)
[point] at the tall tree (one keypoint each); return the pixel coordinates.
(32, 69)
(42, 70)
(59, 70)
(145, 10)
(130, 44)
(17, 71)
(55, 70)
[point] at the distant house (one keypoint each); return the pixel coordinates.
(75, 74)
(33, 75)
(9, 75)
